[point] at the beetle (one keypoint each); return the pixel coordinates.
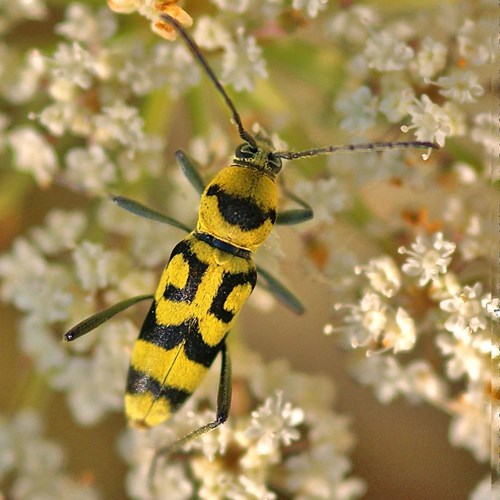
(210, 273)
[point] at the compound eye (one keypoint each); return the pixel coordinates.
(274, 163)
(245, 151)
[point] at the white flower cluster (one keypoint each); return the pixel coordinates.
(457, 320)
(35, 462)
(290, 443)
(41, 283)
(91, 83)
(397, 67)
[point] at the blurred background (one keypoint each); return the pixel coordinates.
(402, 449)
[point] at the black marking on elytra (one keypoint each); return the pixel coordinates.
(196, 349)
(169, 336)
(240, 211)
(165, 336)
(229, 282)
(139, 382)
(175, 396)
(197, 269)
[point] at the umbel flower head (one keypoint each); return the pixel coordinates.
(453, 320)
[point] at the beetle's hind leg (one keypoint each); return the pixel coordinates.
(223, 406)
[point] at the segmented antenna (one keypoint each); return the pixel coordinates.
(371, 146)
(287, 155)
(195, 50)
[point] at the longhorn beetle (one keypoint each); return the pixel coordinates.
(210, 274)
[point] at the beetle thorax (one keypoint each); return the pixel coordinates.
(239, 207)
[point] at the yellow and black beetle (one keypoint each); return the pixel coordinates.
(210, 274)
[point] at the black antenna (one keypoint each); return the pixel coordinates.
(195, 50)
(371, 146)
(287, 155)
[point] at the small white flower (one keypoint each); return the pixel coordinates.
(384, 373)
(274, 424)
(36, 464)
(485, 132)
(383, 275)
(400, 332)
(430, 121)
(366, 321)
(312, 7)
(95, 385)
(57, 117)
(178, 66)
(471, 425)
(431, 58)
(426, 383)
(373, 324)
(90, 168)
(352, 23)
(37, 341)
(321, 474)
(64, 116)
(60, 231)
(466, 312)
(73, 63)
(210, 443)
(98, 268)
(239, 6)
(466, 173)
(325, 196)
(32, 153)
(397, 97)
(19, 266)
(24, 9)
(476, 40)
(358, 109)
(464, 358)
(21, 83)
(170, 482)
(243, 62)
(491, 305)
(146, 69)
(83, 25)
(247, 488)
(120, 123)
(63, 90)
(460, 86)
(428, 257)
(215, 481)
(211, 34)
(385, 52)
(214, 145)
